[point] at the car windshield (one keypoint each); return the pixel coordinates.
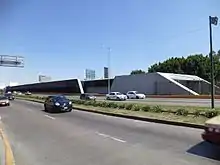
(60, 98)
(3, 98)
(118, 93)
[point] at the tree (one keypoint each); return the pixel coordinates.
(197, 64)
(137, 71)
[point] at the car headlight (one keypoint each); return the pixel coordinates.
(217, 130)
(210, 129)
(7, 101)
(57, 104)
(70, 102)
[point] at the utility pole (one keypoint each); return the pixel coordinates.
(214, 21)
(109, 81)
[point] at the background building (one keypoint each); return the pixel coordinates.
(90, 74)
(150, 84)
(43, 78)
(106, 72)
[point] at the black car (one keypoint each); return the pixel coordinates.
(86, 96)
(57, 103)
(10, 96)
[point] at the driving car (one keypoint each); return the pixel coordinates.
(10, 96)
(116, 96)
(135, 95)
(57, 103)
(28, 93)
(4, 101)
(87, 96)
(212, 130)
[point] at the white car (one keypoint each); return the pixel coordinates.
(135, 95)
(116, 96)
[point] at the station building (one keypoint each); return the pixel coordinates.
(150, 84)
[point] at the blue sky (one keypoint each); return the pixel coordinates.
(63, 38)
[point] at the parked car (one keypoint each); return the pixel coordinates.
(19, 93)
(4, 101)
(10, 96)
(87, 96)
(57, 103)
(212, 130)
(135, 95)
(116, 96)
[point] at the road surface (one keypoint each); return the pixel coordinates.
(165, 101)
(81, 138)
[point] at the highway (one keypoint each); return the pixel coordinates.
(164, 101)
(82, 138)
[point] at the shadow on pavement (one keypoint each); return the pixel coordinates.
(206, 149)
(52, 112)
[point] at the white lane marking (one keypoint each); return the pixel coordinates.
(50, 117)
(0, 118)
(111, 137)
(119, 140)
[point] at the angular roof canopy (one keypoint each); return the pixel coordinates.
(181, 76)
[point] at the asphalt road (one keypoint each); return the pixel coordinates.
(165, 101)
(81, 138)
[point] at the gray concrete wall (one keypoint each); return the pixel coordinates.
(99, 90)
(151, 84)
(201, 87)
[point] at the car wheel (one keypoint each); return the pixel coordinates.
(137, 97)
(107, 98)
(45, 108)
(8, 104)
(118, 98)
(70, 110)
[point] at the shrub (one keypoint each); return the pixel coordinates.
(89, 103)
(211, 113)
(169, 111)
(146, 108)
(182, 111)
(104, 104)
(96, 104)
(80, 102)
(128, 106)
(113, 105)
(157, 109)
(136, 107)
(197, 113)
(121, 106)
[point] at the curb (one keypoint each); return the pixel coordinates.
(147, 119)
(9, 157)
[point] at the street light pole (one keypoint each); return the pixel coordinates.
(212, 65)
(109, 82)
(214, 21)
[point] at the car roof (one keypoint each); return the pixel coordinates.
(56, 96)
